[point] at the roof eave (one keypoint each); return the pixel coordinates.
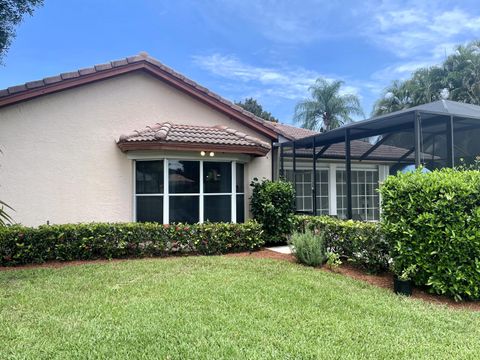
(172, 146)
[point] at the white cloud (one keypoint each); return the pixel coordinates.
(420, 29)
(288, 83)
(418, 34)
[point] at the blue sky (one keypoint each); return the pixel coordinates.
(270, 50)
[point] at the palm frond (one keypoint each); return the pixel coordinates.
(4, 217)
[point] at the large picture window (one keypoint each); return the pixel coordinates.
(188, 191)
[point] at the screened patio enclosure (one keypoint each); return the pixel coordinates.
(338, 172)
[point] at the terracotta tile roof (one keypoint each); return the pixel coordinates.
(291, 132)
(67, 80)
(173, 135)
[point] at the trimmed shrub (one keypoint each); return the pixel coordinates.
(273, 205)
(24, 245)
(433, 221)
(308, 248)
(361, 243)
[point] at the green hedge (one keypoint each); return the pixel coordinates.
(24, 245)
(433, 222)
(273, 205)
(359, 242)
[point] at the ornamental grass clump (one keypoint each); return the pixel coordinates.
(308, 248)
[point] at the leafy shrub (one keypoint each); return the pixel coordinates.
(359, 242)
(308, 248)
(24, 245)
(333, 260)
(273, 205)
(433, 221)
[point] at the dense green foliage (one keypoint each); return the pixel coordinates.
(24, 245)
(327, 108)
(458, 79)
(433, 221)
(308, 248)
(11, 14)
(359, 242)
(220, 308)
(273, 206)
(255, 108)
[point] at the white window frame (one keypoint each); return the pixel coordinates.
(376, 198)
(201, 194)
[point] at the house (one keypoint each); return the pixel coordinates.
(133, 140)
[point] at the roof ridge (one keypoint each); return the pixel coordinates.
(65, 80)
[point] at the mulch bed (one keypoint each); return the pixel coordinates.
(384, 280)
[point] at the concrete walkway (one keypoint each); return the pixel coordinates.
(281, 249)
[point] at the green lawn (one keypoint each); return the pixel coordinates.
(219, 307)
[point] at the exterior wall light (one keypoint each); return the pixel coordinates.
(202, 153)
(212, 153)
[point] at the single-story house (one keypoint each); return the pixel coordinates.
(133, 140)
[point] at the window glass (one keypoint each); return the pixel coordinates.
(150, 208)
(240, 208)
(217, 208)
(217, 177)
(365, 199)
(240, 186)
(183, 177)
(322, 192)
(184, 209)
(149, 177)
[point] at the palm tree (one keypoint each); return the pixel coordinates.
(326, 109)
(397, 96)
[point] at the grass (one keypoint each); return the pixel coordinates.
(219, 307)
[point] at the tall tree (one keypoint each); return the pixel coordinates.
(395, 97)
(463, 73)
(327, 108)
(11, 14)
(457, 78)
(255, 108)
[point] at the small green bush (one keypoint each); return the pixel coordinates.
(433, 221)
(359, 242)
(308, 248)
(333, 260)
(24, 245)
(273, 206)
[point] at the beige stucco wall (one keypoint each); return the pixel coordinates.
(60, 162)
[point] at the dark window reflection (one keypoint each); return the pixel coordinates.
(184, 177)
(217, 208)
(240, 208)
(240, 187)
(184, 209)
(217, 177)
(150, 208)
(149, 179)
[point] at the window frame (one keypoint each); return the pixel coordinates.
(201, 194)
(357, 196)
